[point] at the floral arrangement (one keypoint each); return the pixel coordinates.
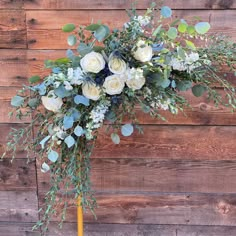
(147, 63)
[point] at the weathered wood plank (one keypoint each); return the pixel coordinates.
(12, 29)
(17, 229)
(70, 229)
(17, 176)
(150, 175)
(124, 4)
(13, 67)
(18, 206)
(45, 33)
(172, 142)
(11, 4)
(4, 130)
(190, 209)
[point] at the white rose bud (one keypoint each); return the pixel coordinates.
(135, 79)
(51, 102)
(91, 91)
(116, 65)
(114, 84)
(93, 62)
(142, 52)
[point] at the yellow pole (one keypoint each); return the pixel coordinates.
(80, 218)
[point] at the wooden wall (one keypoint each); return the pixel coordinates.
(178, 179)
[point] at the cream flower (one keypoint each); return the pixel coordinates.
(117, 65)
(91, 91)
(135, 79)
(93, 62)
(51, 102)
(142, 52)
(114, 84)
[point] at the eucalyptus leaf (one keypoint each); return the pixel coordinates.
(45, 167)
(43, 141)
(70, 141)
(78, 131)
(101, 33)
(53, 156)
(198, 90)
(68, 122)
(71, 40)
(79, 99)
(33, 102)
(68, 28)
(61, 92)
(93, 27)
(172, 33)
(202, 27)
(84, 49)
(115, 138)
(70, 54)
(157, 31)
(183, 85)
(127, 129)
(17, 101)
(182, 28)
(34, 79)
(166, 12)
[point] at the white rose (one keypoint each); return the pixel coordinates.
(117, 65)
(91, 91)
(51, 102)
(135, 79)
(142, 52)
(114, 84)
(93, 62)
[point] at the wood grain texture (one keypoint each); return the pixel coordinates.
(17, 229)
(124, 4)
(45, 33)
(4, 130)
(12, 29)
(11, 4)
(13, 67)
(172, 142)
(18, 206)
(190, 209)
(151, 175)
(141, 230)
(17, 176)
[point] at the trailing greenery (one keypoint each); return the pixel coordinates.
(146, 63)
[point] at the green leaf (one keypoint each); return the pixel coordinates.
(17, 101)
(182, 27)
(172, 33)
(115, 138)
(198, 90)
(84, 49)
(71, 40)
(34, 79)
(166, 12)
(156, 31)
(202, 27)
(101, 33)
(92, 27)
(53, 156)
(68, 28)
(183, 85)
(146, 109)
(68, 122)
(191, 30)
(79, 99)
(181, 53)
(190, 45)
(127, 129)
(98, 49)
(70, 141)
(33, 102)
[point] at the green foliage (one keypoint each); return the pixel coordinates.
(68, 28)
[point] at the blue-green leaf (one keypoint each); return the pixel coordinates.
(166, 12)
(198, 90)
(202, 27)
(84, 49)
(68, 27)
(127, 129)
(61, 92)
(172, 33)
(78, 131)
(34, 79)
(71, 40)
(70, 141)
(43, 141)
(79, 99)
(45, 167)
(68, 122)
(17, 101)
(70, 54)
(93, 27)
(115, 138)
(101, 33)
(53, 156)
